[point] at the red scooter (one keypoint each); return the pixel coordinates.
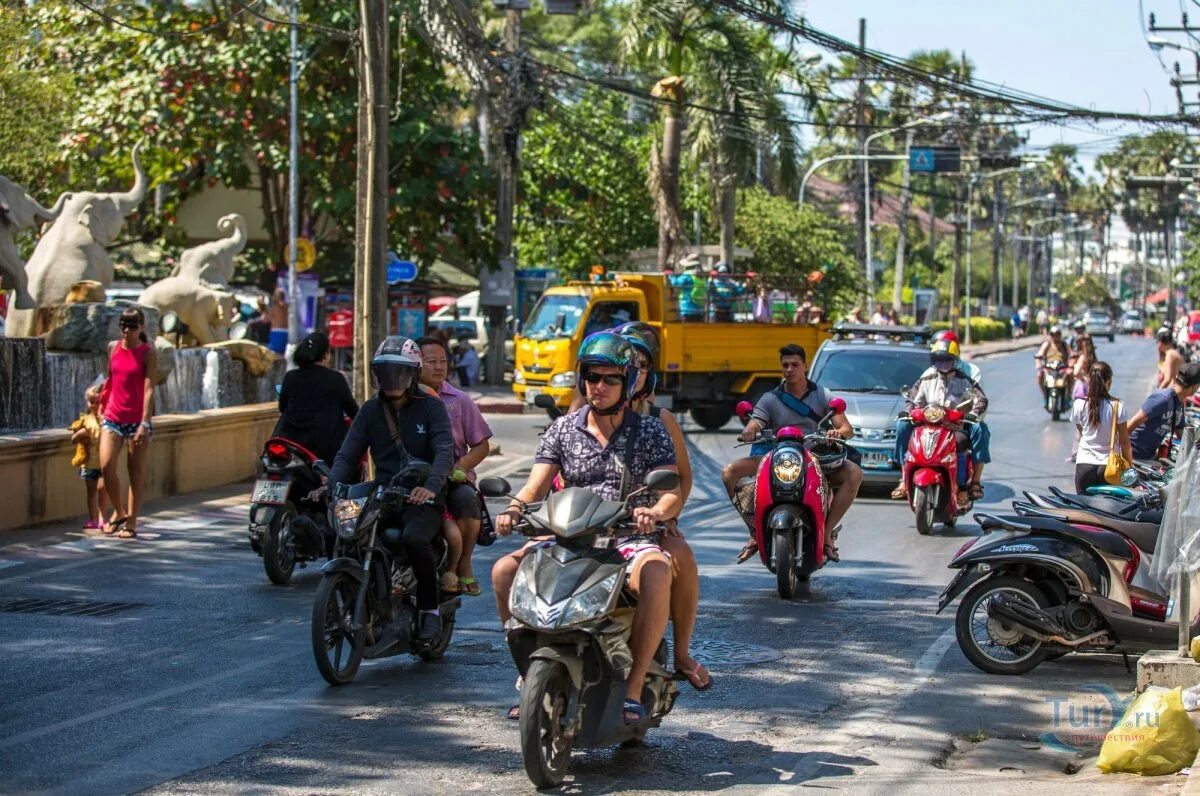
(791, 498)
(931, 467)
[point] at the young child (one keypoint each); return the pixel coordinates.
(86, 437)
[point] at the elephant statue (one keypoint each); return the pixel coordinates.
(20, 211)
(207, 312)
(212, 262)
(74, 248)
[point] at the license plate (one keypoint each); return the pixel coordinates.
(271, 493)
(531, 394)
(876, 461)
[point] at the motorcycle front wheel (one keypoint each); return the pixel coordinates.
(279, 548)
(545, 745)
(1056, 403)
(337, 648)
(923, 508)
(785, 564)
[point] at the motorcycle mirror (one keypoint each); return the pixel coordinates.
(744, 408)
(494, 487)
(545, 401)
(837, 406)
(662, 480)
(1129, 477)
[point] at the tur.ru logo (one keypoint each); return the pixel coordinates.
(1081, 720)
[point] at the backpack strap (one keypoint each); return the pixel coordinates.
(797, 405)
(630, 448)
(393, 430)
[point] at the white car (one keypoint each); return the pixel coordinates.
(473, 329)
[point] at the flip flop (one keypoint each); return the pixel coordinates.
(514, 713)
(113, 527)
(470, 587)
(975, 492)
(693, 676)
(749, 550)
(634, 708)
(126, 533)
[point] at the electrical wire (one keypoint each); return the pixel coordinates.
(165, 33)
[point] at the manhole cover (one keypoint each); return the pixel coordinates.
(715, 653)
(38, 605)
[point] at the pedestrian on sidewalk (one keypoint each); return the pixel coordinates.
(1103, 428)
(86, 436)
(1043, 320)
(128, 402)
(468, 364)
(278, 311)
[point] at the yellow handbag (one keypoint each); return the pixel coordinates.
(1116, 463)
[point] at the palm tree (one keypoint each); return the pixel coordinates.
(712, 53)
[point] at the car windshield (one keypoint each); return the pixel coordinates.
(459, 330)
(1095, 317)
(1131, 315)
(555, 316)
(870, 369)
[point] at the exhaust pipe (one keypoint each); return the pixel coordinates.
(1037, 623)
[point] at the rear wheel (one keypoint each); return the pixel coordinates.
(337, 648)
(785, 564)
(1055, 407)
(711, 418)
(924, 508)
(990, 644)
(545, 746)
(279, 547)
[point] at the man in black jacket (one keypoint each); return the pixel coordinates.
(399, 424)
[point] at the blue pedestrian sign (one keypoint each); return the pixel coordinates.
(400, 270)
(921, 159)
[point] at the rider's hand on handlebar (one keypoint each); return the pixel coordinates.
(748, 436)
(835, 433)
(317, 494)
(647, 518)
(420, 495)
(504, 522)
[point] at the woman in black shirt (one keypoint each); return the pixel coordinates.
(315, 400)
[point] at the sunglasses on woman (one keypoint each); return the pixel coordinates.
(611, 379)
(130, 324)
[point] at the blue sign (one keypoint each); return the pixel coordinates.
(400, 270)
(921, 159)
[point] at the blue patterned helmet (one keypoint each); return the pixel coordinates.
(612, 350)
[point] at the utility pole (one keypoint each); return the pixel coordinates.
(956, 269)
(860, 122)
(293, 172)
(996, 232)
(902, 229)
(370, 226)
(508, 163)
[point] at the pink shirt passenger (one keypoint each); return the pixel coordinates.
(466, 421)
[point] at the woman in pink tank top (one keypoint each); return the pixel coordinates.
(128, 401)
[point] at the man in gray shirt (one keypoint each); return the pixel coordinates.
(772, 412)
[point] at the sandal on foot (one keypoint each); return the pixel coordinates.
(514, 713)
(127, 533)
(695, 676)
(113, 526)
(450, 583)
(633, 708)
(831, 548)
(470, 587)
(975, 492)
(749, 550)
(899, 493)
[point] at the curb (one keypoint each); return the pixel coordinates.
(1007, 348)
(501, 407)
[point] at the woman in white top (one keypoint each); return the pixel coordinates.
(1093, 417)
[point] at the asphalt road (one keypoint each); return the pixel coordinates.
(203, 680)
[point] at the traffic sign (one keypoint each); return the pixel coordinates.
(400, 270)
(934, 159)
(306, 254)
(920, 159)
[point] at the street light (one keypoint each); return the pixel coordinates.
(818, 164)
(1050, 197)
(937, 117)
(1157, 43)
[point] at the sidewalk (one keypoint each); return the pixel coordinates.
(496, 400)
(994, 347)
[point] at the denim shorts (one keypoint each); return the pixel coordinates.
(126, 430)
(89, 473)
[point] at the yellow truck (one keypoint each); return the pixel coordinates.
(705, 367)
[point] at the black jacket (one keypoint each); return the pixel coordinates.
(313, 405)
(425, 434)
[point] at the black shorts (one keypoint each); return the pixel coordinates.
(462, 501)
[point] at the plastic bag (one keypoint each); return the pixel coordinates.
(1155, 736)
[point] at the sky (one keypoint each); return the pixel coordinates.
(1082, 52)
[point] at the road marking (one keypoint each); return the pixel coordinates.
(166, 693)
(5, 563)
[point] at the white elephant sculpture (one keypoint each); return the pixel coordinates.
(212, 262)
(74, 248)
(20, 211)
(208, 312)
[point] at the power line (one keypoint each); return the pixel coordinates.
(165, 33)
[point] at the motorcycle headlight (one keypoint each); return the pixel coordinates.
(563, 379)
(518, 377)
(522, 600)
(591, 603)
(346, 514)
(787, 467)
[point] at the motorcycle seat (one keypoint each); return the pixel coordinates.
(1142, 534)
(1108, 541)
(1122, 509)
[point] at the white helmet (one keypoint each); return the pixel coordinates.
(396, 365)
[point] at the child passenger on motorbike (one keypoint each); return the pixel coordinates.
(950, 387)
(590, 448)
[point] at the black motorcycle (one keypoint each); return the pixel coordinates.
(366, 604)
(570, 630)
(286, 528)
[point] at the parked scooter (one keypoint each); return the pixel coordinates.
(570, 630)
(1055, 379)
(366, 604)
(791, 498)
(1050, 581)
(286, 528)
(931, 466)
